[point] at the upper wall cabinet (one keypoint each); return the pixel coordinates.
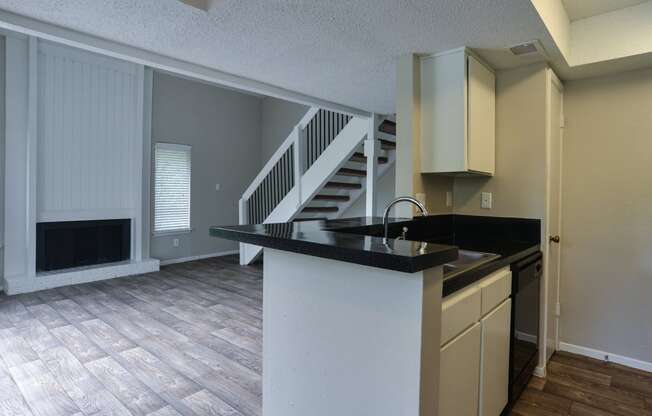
(458, 114)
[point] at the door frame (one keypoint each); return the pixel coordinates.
(552, 81)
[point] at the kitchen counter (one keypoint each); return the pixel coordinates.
(432, 241)
(352, 320)
(330, 239)
(513, 239)
(348, 319)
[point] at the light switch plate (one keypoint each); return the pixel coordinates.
(175, 242)
(486, 200)
(217, 187)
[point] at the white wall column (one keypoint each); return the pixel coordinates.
(299, 163)
(408, 91)
(19, 212)
(372, 151)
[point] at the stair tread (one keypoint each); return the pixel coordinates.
(324, 197)
(320, 209)
(310, 219)
(343, 185)
(387, 144)
(360, 157)
(351, 172)
(388, 126)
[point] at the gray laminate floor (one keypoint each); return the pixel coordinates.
(186, 340)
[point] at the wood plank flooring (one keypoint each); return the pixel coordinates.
(188, 341)
(580, 386)
(183, 341)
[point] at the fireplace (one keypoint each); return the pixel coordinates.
(67, 244)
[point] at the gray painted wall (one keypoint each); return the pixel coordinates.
(278, 118)
(223, 128)
(606, 233)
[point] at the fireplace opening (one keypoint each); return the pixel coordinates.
(67, 244)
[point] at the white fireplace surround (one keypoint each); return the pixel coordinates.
(77, 148)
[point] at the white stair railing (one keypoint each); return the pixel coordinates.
(319, 145)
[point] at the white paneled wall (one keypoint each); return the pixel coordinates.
(89, 135)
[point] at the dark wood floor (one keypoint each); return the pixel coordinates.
(580, 386)
(187, 340)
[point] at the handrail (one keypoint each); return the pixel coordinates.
(281, 175)
(278, 154)
(307, 117)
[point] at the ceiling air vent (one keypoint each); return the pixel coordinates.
(527, 48)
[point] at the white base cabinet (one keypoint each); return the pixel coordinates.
(494, 373)
(460, 375)
(474, 368)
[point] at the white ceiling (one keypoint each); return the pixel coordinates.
(579, 9)
(339, 50)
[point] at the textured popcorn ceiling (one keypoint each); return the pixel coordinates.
(344, 51)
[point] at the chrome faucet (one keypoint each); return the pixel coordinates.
(419, 205)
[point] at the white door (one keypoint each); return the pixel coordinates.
(554, 238)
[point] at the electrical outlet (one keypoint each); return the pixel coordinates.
(486, 201)
(449, 199)
(175, 242)
(217, 187)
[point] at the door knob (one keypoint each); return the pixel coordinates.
(554, 239)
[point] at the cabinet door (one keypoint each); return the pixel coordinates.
(481, 130)
(443, 113)
(495, 360)
(460, 374)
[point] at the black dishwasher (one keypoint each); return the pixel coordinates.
(524, 337)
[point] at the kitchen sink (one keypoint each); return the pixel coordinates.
(467, 260)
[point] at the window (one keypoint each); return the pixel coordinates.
(171, 187)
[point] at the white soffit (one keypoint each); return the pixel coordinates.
(617, 39)
(580, 9)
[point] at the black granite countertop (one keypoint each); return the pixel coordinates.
(513, 239)
(432, 241)
(328, 239)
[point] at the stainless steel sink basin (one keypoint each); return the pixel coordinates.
(467, 260)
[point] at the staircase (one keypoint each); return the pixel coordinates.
(324, 166)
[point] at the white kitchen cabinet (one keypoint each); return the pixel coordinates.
(459, 312)
(460, 374)
(474, 367)
(458, 114)
(494, 374)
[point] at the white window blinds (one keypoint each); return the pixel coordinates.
(171, 187)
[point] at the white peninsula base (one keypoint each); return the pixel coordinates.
(349, 340)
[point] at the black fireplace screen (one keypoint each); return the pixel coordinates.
(62, 245)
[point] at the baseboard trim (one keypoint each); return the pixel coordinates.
(600, 355)
(200, 257)
(49, 280)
